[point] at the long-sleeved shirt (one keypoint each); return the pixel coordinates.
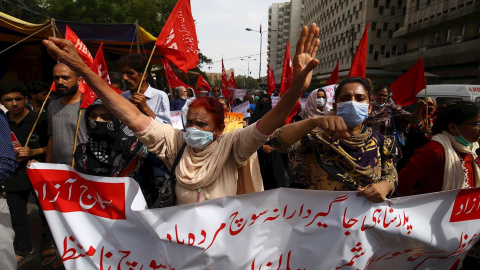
(158, 102)
(8, 162)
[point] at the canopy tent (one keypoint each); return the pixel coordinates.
(20, 44)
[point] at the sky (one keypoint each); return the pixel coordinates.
(220, 26)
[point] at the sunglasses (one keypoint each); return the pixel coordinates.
(215, 90)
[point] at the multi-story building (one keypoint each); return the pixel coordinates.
(215, 77)
(446, 33)
(278, 35)
(342, 24)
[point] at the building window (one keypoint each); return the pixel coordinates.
(371, 49)
(387, 4)
(382, 49)
(374, 26)
(375, 56)
(375, 3)
(417, 5)
(394, 50)
(392, 11)
(385, 26)
(397, 26)
(379, 33)
(390, 33)
(380, 10)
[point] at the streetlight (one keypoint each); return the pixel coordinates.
(248, 66)
(251, 30)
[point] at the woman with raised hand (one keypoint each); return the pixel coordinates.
(208, 166)
(339, 152)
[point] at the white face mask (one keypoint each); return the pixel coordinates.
(197, 138)
(321, 102)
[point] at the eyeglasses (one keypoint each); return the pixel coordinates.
(475, 125)
(215, 90)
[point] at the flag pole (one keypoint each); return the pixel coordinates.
(38, 118)
(426, 111)
(146, 68)
(76, 135)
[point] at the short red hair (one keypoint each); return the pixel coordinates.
(213, 107)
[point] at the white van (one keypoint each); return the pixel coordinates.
(447, 93)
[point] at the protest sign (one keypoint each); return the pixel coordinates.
(330, 91)
(242, 108)
(240, 93)
(302, 102)
(176, 117)
(233, 121)
(103, 223)
(274, 101)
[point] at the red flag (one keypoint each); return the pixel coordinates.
(334, 76)
(287, 72)
(80, 46)
(100, 67)
(225, 93)
(407, 86)
(178, 39)
(293, 113)
(202, 83)
(172, 77)
(231, 81)
(271, 81)
(359, 63)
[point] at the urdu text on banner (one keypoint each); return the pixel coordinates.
(103, 223)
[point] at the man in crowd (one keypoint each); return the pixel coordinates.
(177, 103)
(148, 100)
(63, 115)
(38, 92)
(18, 188)
(153, 103)
(8, 164)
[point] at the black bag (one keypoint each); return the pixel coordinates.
(166, 193)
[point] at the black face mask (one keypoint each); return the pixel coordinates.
(101, 131)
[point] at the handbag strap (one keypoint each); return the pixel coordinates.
(177, 160)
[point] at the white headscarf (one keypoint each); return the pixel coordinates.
(453, 175)
(311, 109)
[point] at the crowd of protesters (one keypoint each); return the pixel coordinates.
(365, 143)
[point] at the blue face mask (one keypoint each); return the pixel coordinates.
(378, 104)
(197, 138)
(352, 112)
(460, 139)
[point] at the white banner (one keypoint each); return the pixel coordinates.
(242, 108)
(302, 102)
(176, 117)
(103, 223)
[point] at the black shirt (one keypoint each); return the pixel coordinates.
(39, 139)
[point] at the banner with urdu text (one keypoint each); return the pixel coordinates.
(103, 223)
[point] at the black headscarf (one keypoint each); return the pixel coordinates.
(261, 108)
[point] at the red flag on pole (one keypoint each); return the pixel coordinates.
(334, 76)
(172, 77)
(202, 83)
(100, 67)
(178, 39)
(80, 46)
(287, 72)
(231, 81)
(271, 81)
(225, 93)
(359, 63)
(407, 86)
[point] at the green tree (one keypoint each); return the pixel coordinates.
(246, 82)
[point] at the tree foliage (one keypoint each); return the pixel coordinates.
(246, 82)
(151, 14)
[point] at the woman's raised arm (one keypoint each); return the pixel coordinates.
(64, 51)
(303, 64)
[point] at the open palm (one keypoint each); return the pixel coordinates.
(304, 60)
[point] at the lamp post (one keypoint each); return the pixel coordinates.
(260, 55)
(248, 67)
